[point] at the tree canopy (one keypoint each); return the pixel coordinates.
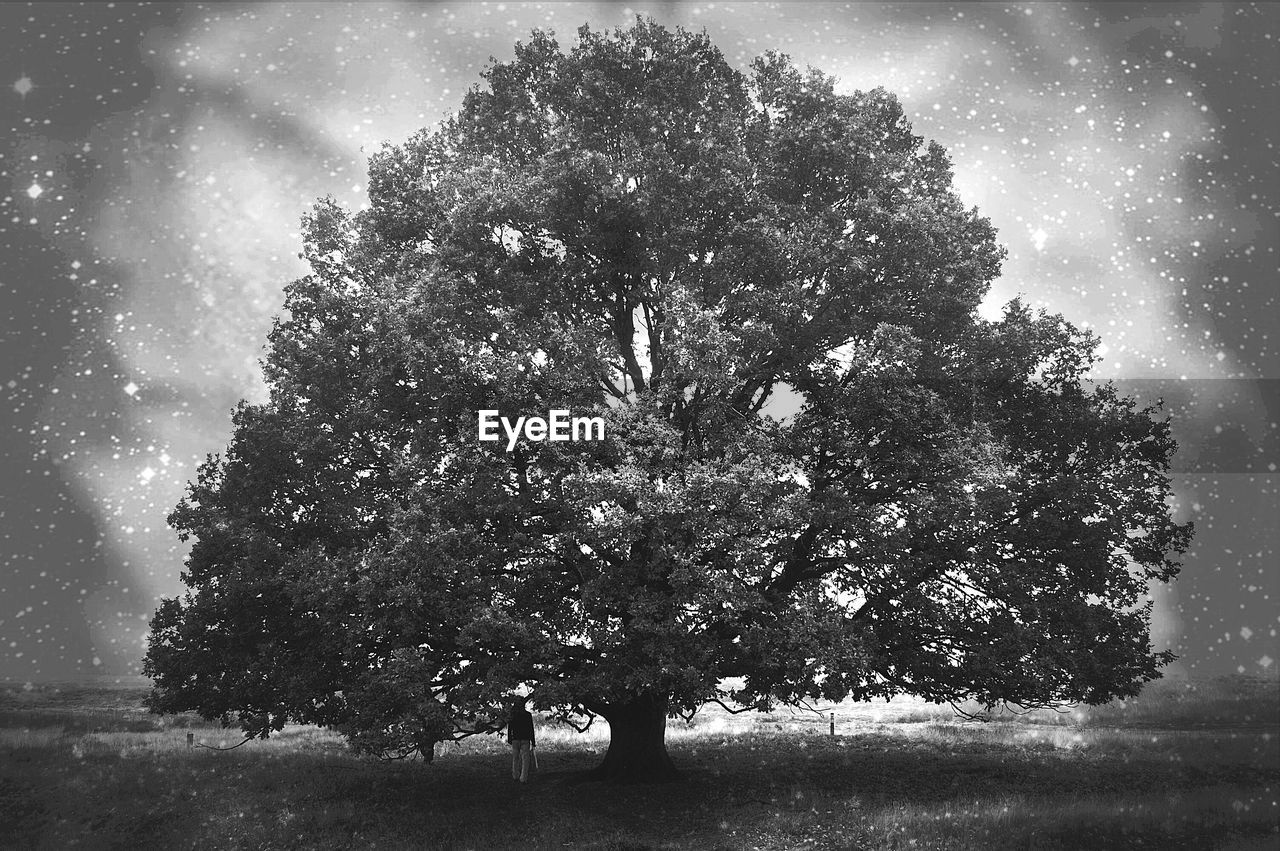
(824, 473)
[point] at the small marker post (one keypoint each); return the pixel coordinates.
(833, 723)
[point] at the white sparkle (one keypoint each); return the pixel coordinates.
(34, 191)
(23, 86)
(1038, 238)
(147, 474)
(131, 388)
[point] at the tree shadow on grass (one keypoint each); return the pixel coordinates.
(865, 791)
(842, 786)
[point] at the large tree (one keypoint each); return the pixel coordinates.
(824, 474)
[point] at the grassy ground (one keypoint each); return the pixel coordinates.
(1187, 765)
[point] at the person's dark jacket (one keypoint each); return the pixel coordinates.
(520, 725)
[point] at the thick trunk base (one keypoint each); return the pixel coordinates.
(637, 744)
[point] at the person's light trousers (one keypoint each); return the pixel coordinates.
(521, 757)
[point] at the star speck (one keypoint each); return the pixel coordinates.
(34, 191)
(23, 86)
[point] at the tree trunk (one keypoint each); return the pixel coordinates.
(637, 743)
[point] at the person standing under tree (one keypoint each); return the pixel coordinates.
(520, 735)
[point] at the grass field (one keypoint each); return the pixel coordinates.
(1190, 764)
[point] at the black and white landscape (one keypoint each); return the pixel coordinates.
(710, 374)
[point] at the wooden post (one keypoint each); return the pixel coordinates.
(191, 738)
(833, 723)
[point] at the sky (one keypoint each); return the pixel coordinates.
(156, 159)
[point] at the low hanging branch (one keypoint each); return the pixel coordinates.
(730, 710)
(247, 739)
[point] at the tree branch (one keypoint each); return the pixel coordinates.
(624, 332)
(726, 707)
